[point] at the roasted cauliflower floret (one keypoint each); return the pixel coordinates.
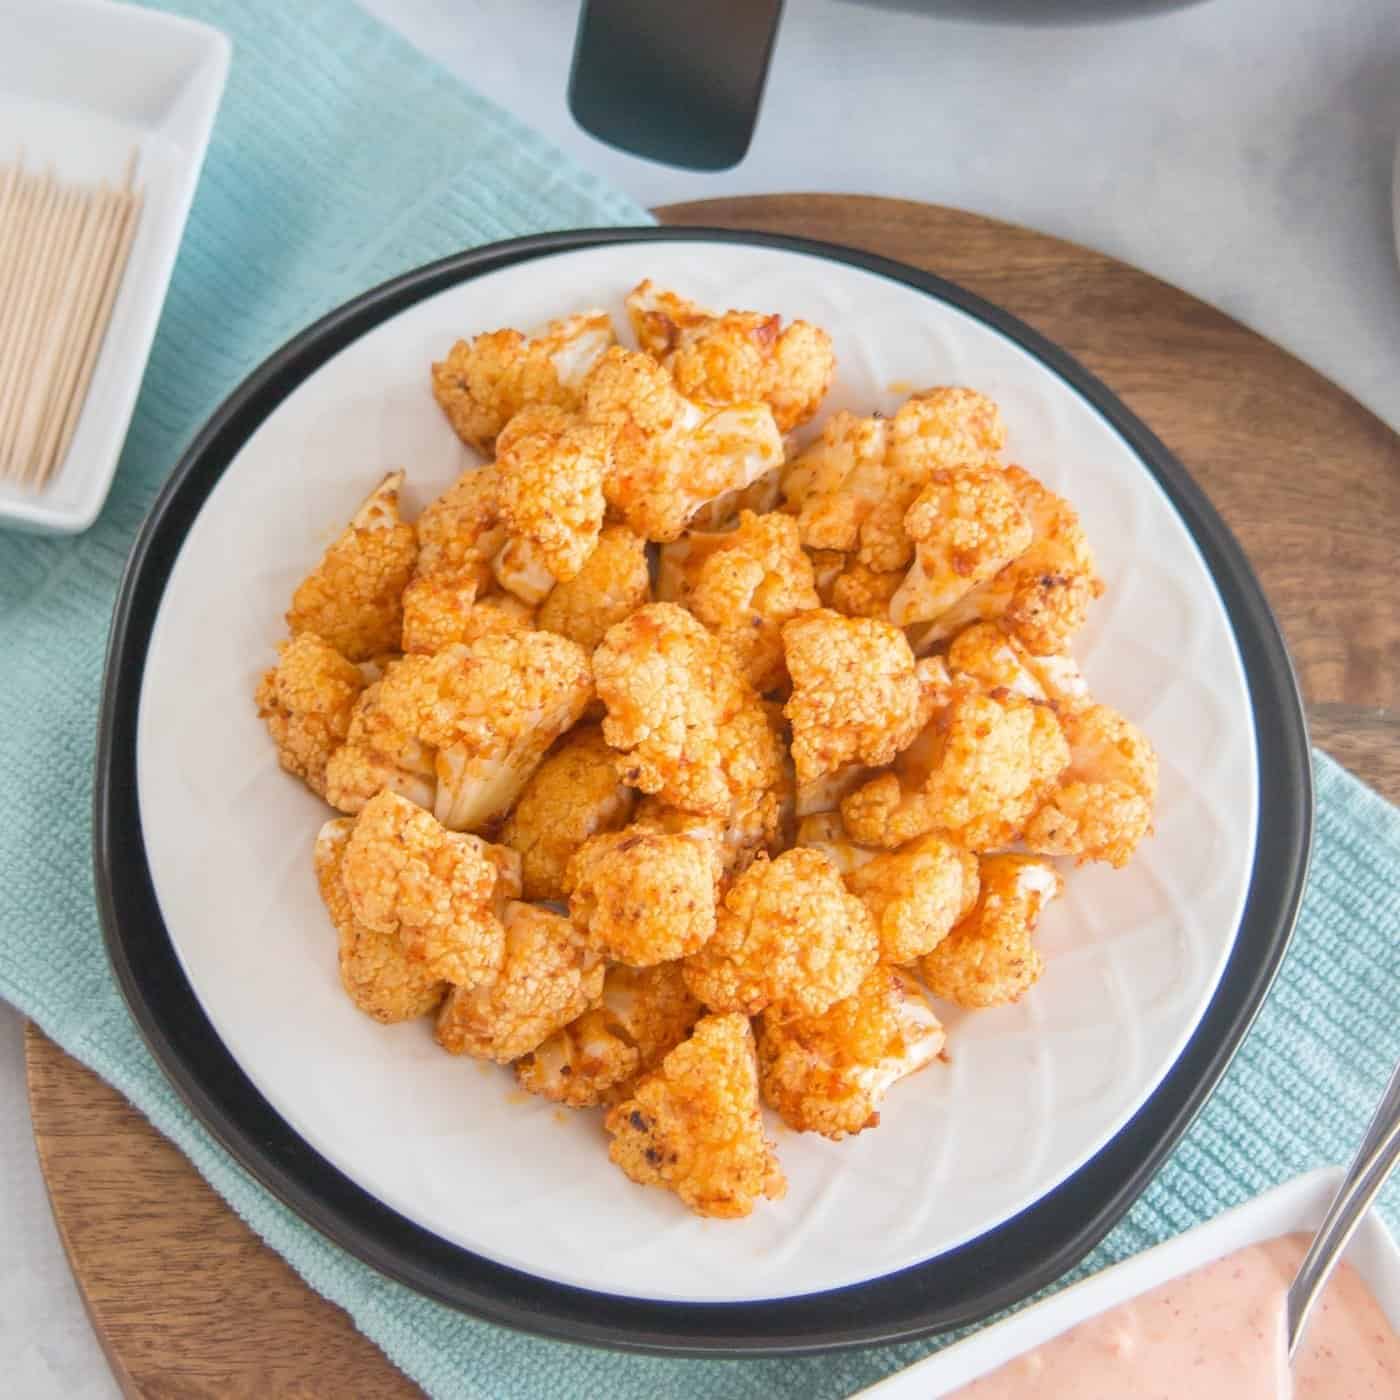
(746, 589)
(641, 896)
(996, 660)
(858, 696)
(483, 383)
(828, 1073)
(915, 894)
(678, 563)
(1102, 807)
(966, 524)
(442, 893)
(612, 584)
(788, 933)
(989, 958)
(490, 710)
(858, 591)
(574, 794)
(548, 978)
(551, 467)
(852, 487)
(377, 755)
(307, 702)
(687, 725)
(353, 597)
(667, 456)
(444, 610)
(1042, 596)
(737, 357)
(460, 532)
(644, 1014)
(378, 976)
(453, 596)
(985, 762)
(694, 1125)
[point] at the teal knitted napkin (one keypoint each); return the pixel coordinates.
(341, 156)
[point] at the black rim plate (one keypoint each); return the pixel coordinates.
(957, 1288)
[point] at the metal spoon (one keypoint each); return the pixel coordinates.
(1375, 1159)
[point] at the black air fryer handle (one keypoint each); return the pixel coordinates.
(677, 81)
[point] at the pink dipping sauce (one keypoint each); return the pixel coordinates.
(1216, 1334)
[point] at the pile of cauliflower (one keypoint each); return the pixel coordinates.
(681, 769)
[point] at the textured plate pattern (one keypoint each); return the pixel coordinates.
(1031, 1091)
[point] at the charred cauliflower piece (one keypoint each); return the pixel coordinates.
(984, 764)
(694, 1125)
(737, 357)
(353, 597)
(858, 696)
(612, 584)
(643, 897)
(573, 795)
(483, 383)
(442, 893)
(915, 894)
(490, 710)
(376, 755)
(744, 590)
(1102, 807)
(644, 1014)
(547, 979)
(551, 467)
(827, 1074)
(307, 702)
(788, 933)
(668, 456)
(966, 524)
(989, 959)
(687, 725)
(852, 488)
(1042, 596)
(378, 976)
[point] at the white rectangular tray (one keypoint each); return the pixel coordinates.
(82, 83)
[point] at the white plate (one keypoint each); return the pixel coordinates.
(1296, 1206)
(82, 84)
(1031, 1092)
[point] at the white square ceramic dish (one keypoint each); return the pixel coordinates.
(82, 84)
(1297, 1205)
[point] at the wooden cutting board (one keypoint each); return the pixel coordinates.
(184, 1298)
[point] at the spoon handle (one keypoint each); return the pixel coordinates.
(1376, 1158)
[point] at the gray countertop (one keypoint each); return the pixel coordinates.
(1241, 149)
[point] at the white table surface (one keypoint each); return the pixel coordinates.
(1241, 149)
